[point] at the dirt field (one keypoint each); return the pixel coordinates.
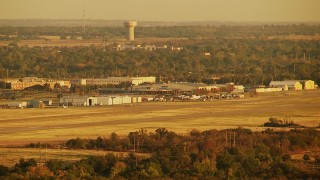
(23, 126)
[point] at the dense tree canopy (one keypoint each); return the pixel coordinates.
(212, 154)
(244, 54)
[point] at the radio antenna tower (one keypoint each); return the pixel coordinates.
(84, 20)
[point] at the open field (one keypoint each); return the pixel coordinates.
(23, 126)
(11, 156)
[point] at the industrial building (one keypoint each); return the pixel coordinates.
(308, 84)
(99, 100)
(78, 101)
(181, 87)
(286, 85)
(22, 83)
(114, 81)
(294, 84)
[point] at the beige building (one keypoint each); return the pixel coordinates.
(308, 84)
(50, 37)
(141, 80)
(286, 85)
(22, 83)
(114, 81)
(106, 81)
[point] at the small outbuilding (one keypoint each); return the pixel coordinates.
(36, 104)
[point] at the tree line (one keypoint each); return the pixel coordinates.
(244, 61)
(258, 31)
(212, 154)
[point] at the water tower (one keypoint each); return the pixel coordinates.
(130, 25)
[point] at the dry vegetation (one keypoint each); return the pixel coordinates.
(22, 126)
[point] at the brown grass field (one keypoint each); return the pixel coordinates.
(23, 126)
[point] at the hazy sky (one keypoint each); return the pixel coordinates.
(164, 10)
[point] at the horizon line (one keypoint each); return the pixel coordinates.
(181, 21)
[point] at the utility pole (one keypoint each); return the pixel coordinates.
(227, 138)
(45, 156)
(136, 161)
(134, 144)
(309, 64)
(104, 44)
(294, 66)
(134, 149)
(7, 72)
(138, 143)
(84, 20)
(234, 139)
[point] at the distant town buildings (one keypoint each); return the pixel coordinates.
(186, 87)
(114, 81)
(56, 38)
(22, 83)
(148, 47)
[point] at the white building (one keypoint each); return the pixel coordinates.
(78, 101)
(104, 100)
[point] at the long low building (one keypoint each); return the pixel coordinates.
(286, 85)
(114, 81)
(99, 100)
(262, 90)
(78, 101)
(22, 83)
(180, 87)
